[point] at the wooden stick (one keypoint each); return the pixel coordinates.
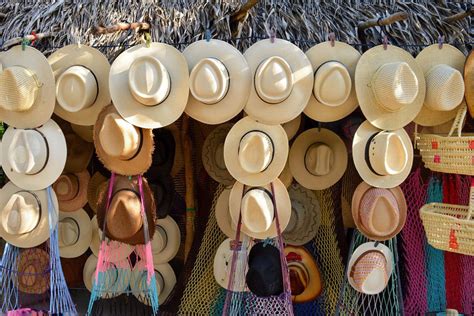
(121, 26)
(459, 16)
(2, 15)
(30, 37)
(399, 16)
(237, 17)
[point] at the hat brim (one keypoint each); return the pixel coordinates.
(41, 232)
(43, 107)
(286, 176)
(231, 151)
(359, 192)
(54, 165)
(85, 234)
(298, 153)
(214, 139)
(292, 127)
(221, 266)
(302, 71)
(359, 143)
(120, 250)
(367, 66)
(428, 58)
(137, 113)
(346, 55)
(80, 200)
(223, 217)
(239, 78)
(93, 188)
(97, 63)
(169, 281)
(469, 82)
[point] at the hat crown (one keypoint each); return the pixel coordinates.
(388, 154)
(69, 232)
(160, 239)
(66, 187)
(119, 138)
(76, 89)
(123, 217)
(319, 159)
(257, 210)
(255, 152)
(149, 81)
(28, 152)
(209, 81)
(379, 212)
(370, 273)
(394, 86)
(21, 214)
(18, 89)
(274, 80)
(332, 84)
(444, 88)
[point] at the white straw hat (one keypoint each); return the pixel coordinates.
(334, 95)
(119, 250)
(165, 282)
(74, 233)
(149, 86)
(282, 79)
(390, 87)
(82, 83)
(26, 87)
(222, 266)
(444, 83)
(219, 81)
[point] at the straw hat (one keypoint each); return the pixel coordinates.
(33, 158)
(26, 87)
(382, 158)
(33, 271)
(318, 158)
(379, 214)
(213, 155)
(255, 153)
(24, 215)
(224, 221)
(223, 263)
(149, 86)
(282, 79)
(285, 176)
(334, 95)
(123, 218)
(84, 132)
(305, 279)
(71, 190)
(82, 83)
(165, 279)
(469, 82)
(444, 83)
(122, 147)
(305, 216)
(256, 208)
(79, 153)
(390, 87)
(119, 251)
(264, 276)
(74, 233)
(370, 268)
(96, 184)
(292, 127)
(219, 81)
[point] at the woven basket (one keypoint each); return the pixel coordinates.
(447, 153)
(450, 227)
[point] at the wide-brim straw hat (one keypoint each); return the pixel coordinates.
(295, 73)
(469, 82)
(39, 230)
(213, 155)
(222, 215)
(75, 225)
(386, 63)
(428, 59)
(222, 266)
(94, 187)
(71, 190)
(79, 153)
(34, 62)
(219, 83)
(335, 62)
(33, 271)
(48, 162)
(169, 71)
(88, 72)
(292, 127)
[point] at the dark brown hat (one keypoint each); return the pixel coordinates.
(79, 153)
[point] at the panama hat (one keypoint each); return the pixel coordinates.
(213, 155)
(305, 216)
(82, 83)
(255, 153)
(26, 87)
(442, 69)
(379, 214)
(149, 86)
(257, 210)
(370, 268)
(94, 187)
(285, 176)
(219, 81)
(318, 158)
(264, 276)
(223, 263)
(469, 82)
(24, 215)
(334, 95)
(305, 279)
(165, 279)
(79, 153)
(122, 147)
(282, 79)
(74, 233)
(33, 158)
(390, 87)
(71, 190)
(84, 132)
(33, 271)
(382, 158)
(292, 127)
(118, 250)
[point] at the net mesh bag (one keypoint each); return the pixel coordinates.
(350, 181)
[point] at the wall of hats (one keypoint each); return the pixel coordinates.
(91, 150)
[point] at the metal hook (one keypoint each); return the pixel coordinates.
(440, 41)
(207, 35)
(332, 38)
(385, 42)
(24, 43)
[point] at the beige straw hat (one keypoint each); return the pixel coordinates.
(382, 158)
(213, 155)
(96, 183)
(334, 96)
(219, 81)
(24, 219)
(318, 158)
(149, 86)
(469, 82)
(390, 87)
(71, 190)
(222, 215)
(222, 266)
(255, 153)
(282, 79)
(26, 87)
(74, 233)
(442, 69)
(82, 83)
(292, 127)
(33, 271)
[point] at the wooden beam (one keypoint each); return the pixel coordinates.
(121, 26)
(459, 16)
(398, 16)
(30, 37)
(238, 17)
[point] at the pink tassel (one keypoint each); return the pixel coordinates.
(149, 262)
(101, 267)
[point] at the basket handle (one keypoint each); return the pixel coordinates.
(459, 120)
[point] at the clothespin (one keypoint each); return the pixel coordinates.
(272, 35)
(24, 42)
(385, 42)
(147, 39)
(208, 35)
(440, 41)
(332, 38)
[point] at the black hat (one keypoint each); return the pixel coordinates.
(163, 155)
(163, 192)
(264, 277)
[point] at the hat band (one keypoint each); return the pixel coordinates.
(38, 202)
(271, 142)
(316, 71)
(367, 153)
(306, 153)
(96, 81)
(140, 145)
(47, 151)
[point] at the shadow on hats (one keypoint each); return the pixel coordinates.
(264, 277)
(163, 155)
(164, 194)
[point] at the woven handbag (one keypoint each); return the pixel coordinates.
(449, 154)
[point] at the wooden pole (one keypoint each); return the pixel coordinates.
(459, 16)
(30, 37)
(399, 16)
(238, 17)
(121, 26)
